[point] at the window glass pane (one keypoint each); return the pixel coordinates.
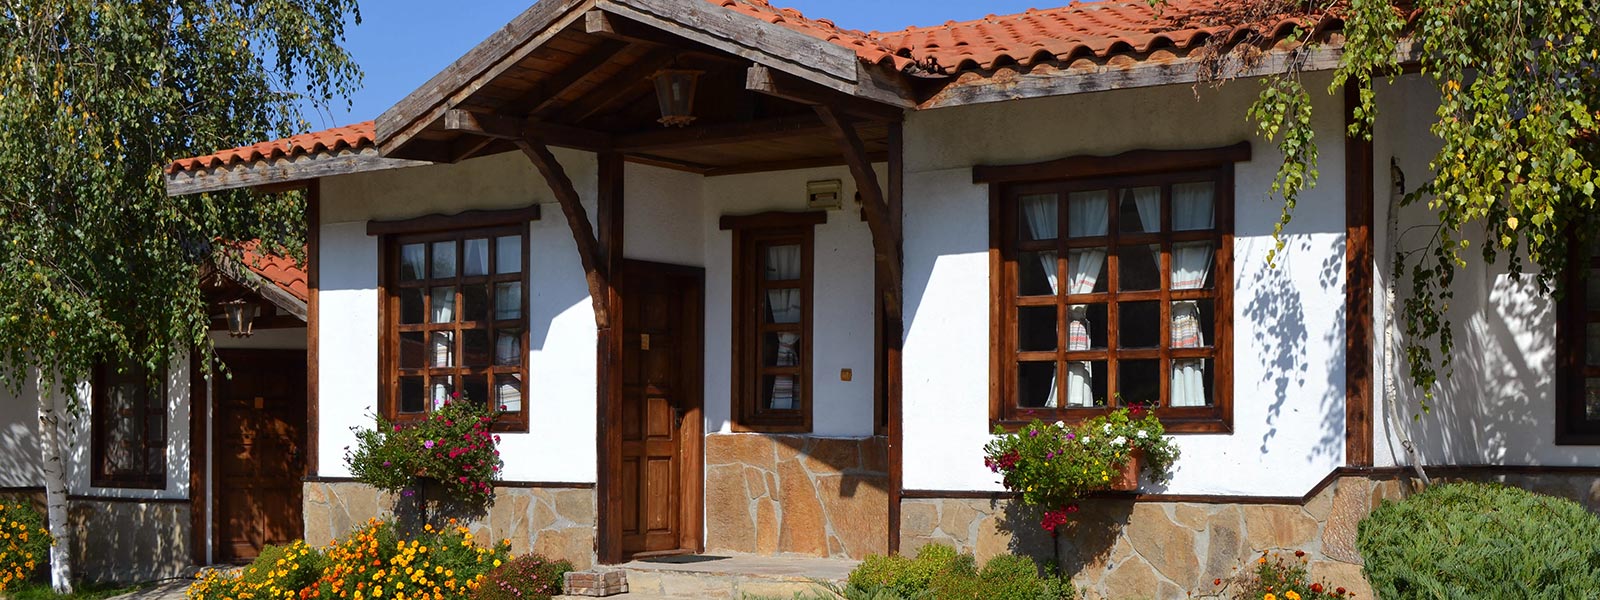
(476, 261)
(508, 300)
(1192, 206)
(781, 349)
(1138, 382)
(1038, 217)
(1036, 273)
(783, 306)
(411, 395)
(1140, 210)
(443, 305)
(475, 389)
(442, 388)
(783, 263)
(780, 392)
(474, 303)
(1591, 399)
(1191, 265)
(1191, 379)
(124, 438)
(508, 393)
(1036, 328)
(1592, 347)
(412, 257)
(1593, 296)
(1036, 385)
(475, 349)
(443, 349)
(411, 306)
(1087, 213)
(508, 347)
(1138, 324)
(1086, 383)
(1086, 271)
(444, 260)
(1139, 268)
(508, 254)
(1193, 323)
(412, 351)
(1086, 327)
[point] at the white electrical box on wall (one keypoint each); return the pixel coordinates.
(827, 194)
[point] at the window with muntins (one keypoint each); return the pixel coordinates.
(1578, 344)
(129, 428)
(456, 322)
(1115, 291)
(773, 336)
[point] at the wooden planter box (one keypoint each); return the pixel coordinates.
(1128, 480)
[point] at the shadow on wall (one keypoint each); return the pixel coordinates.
(1277, 313)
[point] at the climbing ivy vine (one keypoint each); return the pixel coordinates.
(1519, 90)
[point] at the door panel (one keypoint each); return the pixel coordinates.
(260, 445)
(660, 430)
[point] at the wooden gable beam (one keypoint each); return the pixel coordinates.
(501, 127)
(885, 244)
(589, 251)
(690, 137)
(764, 80)
(610, 93)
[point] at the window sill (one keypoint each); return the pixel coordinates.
(800, 429)
(1578, 439)
(1213, 425)
(127, 484)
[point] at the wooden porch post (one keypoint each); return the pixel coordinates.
(885, 218)
(608, 380)
(1359, 283)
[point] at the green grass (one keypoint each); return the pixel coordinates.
(82, 591)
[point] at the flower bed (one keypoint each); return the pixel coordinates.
(1052, 466)
(374, 562)
(24, 543)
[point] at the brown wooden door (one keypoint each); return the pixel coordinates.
(260, 447)
(659, 479)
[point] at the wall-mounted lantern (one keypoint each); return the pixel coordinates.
(241, 317)
(675, 92)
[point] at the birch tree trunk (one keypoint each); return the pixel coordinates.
(1391, 388)
(51, 441)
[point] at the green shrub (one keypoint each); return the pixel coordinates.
(291, 567)
(530, 577)
(940, 573)
(1470, 540)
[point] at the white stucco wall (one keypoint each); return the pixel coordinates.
(842, 316)
(1498, 405)
(560, 443)
(1288, 386)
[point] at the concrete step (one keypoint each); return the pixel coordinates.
(732, 577)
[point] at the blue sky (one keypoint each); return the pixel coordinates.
(401, 43)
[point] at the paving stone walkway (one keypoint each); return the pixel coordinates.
(166, 590)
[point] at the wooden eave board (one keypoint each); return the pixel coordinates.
(279, 171)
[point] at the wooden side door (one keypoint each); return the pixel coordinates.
(661, 437)
(259, 451)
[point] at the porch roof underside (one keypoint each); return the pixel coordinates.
(577, 74)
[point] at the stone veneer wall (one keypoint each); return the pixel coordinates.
(130, 541)
(1123, 549)
(554, 522)
(788, 494)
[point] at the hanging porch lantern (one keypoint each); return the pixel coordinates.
(241, 317)
(675, 92)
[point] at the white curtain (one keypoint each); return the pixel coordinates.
(476, 261)
(1088, 212)
(444, 304)
(1041, 213)
(1148, 202)
(783, 306)
(1191, 263)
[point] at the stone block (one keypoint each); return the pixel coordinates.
(958, 519)
(858, 513)
(1278, 526)
(920, 517)
(1225, 549)
(1167, 546)
(832, 455)
(595, 583)
(731, 527)
(803, 527)
(1189, 515)
(1132, 578)
(576, 506)
(740, 448)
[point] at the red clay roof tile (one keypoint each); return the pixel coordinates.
(354, 137)
(281, 271)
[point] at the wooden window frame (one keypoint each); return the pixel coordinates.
(426, 230)
(1573, 317)
(750, 234)
(1133, 169)
(105, 376)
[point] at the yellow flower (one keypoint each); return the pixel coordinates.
(1291, 595)
(1269, 597)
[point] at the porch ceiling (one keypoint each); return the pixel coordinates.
(584, 82)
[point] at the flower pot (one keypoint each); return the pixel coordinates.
(1128, 480)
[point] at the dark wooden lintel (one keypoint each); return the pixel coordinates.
(764, 80)
(885, 244)
(773, 219)
(471, 219)
(730, 133)
(1128, 163)
(514, 129)
(589, 252)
